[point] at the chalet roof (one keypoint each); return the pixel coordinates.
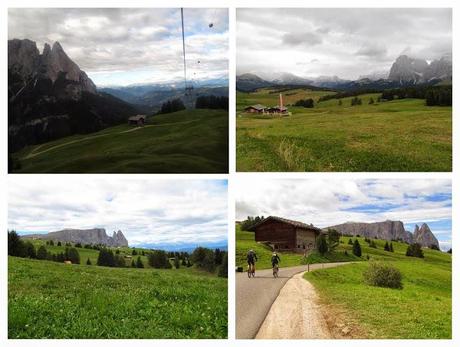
(138, 117)
(258, 107)
(297, 224)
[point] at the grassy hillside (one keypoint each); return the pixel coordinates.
(422, 309)
(193, 141)
(54, 300)
(401, 135)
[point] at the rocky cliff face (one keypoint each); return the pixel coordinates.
(50, 97)
(424, 236)
(406, 70)
(95, 236)
(387, 230)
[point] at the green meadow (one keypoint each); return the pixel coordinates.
(421, 310)
(54, 300)
(399, 135)
(189, 141)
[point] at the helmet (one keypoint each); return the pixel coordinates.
(274, 253)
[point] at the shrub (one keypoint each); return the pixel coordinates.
(223, 268)
(346, 253)
(176, 262)
(414, 250)
(357, 248)
(59, 243)
(321, 244)
(435, 247)
(78, 245)
(51, 243)
(134, 252)
(350, 241)
(382, 275)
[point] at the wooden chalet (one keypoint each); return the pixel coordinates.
(138, 120)
(255, 109)
(286, 235)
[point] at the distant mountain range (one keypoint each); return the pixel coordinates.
(95, 236)
(50, 97)
(389, 230)
(150, 97)
(405, 71)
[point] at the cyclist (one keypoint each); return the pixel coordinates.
(251, 258)
(275, 260)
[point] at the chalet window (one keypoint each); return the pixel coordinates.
(303, 246)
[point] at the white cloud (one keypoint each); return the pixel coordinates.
(146, 210)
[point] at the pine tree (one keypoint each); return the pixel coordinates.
(139, 263)
(42, 253)
(59, 243)
(371, 101)
(176, 262)
(350, 241)
(133, 264)
(340, 102)
(88, 262)
(386, 247)
(321, 244)
(391, 247)
(357, 248)
(16, 246)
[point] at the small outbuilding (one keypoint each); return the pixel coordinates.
(286, 235)
(138, 120)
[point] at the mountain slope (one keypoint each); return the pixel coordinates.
(49, 97)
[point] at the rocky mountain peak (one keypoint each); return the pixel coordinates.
(411, 70)
(25, 60)
(424, 236)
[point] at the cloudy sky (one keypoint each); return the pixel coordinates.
(148, 211)
(344, 42)
(329, 202)
(127, 46)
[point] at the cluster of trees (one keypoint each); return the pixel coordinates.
(249, 222)
(327, 242)
(308, 103)
(356, 250)
(172, 106)
(414, 250)
(388, 247)
(106, 257)
(158, 259)
(209, 260)
(434, 95)
(26, 249)
(356, 101)
(212, 102)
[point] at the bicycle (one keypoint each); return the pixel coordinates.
(251, 270)
(276, 269)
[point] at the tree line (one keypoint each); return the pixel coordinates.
(249, 222)
(433, 95)
(307, 103)
(212, 102)
(214, 261)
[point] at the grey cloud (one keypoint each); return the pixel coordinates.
(297, 39)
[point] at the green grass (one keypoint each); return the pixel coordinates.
(421, 310)
(54, 300)
(401, 135)
(189, 141)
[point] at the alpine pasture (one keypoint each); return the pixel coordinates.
(398, 135)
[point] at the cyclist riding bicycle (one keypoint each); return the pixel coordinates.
(275, 259)
(251, 258)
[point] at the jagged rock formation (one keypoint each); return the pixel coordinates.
(406, 70)
(387, 230)
(50, 97)
(95, 236)
(424, 236)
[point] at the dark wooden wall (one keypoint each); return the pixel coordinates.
(274, 231)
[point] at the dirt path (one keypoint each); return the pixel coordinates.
(34, 152)
(295, 314)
